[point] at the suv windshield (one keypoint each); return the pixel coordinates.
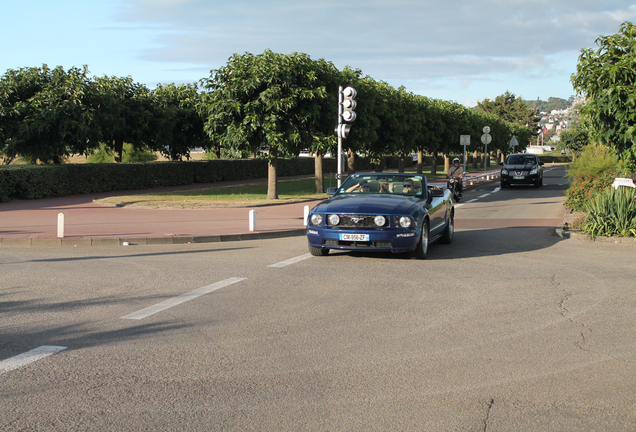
(521, 160)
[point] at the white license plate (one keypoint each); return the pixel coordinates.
(354, 237)
(518, 177)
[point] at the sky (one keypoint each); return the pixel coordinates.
(456, 50)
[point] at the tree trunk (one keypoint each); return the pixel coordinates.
(272, 183)
(420, 161)
(434, 164)
(475, 156)
(217, 152)
(446, 164)
(401, 164)
(351, 162)
(119, 149)
(319, 183)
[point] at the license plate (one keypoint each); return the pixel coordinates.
(518, 177)
(354, 237)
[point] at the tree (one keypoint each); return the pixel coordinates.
(607, 78)
(270, 100)
(45, 114)
(575, 139)
(122, 112)
(513, 110)
(177, 125)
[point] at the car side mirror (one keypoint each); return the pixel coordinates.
(435, 193)
(331, 191)
(500, 163)
(541, 162)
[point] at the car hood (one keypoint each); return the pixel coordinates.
(367, 205)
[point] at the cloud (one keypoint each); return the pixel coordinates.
(407, 40)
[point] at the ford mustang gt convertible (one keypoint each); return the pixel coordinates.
(382, 212)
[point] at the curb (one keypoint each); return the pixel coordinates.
(563, 232)
(143, 241)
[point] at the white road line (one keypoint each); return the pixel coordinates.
(291, 261)
(484, 195)
(141, 314)
(28, 357)
(472, 200)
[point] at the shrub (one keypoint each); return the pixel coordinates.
(611, 212)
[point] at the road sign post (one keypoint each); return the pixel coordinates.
(464, 140)
(486, 139)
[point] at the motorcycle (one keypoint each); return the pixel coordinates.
(453, 185)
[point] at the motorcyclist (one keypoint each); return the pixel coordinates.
(456, 172)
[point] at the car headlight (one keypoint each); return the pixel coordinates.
(504, 171)
(534, 171)
(379, 220)
(316, 219)
(333, 219)
(405, 222)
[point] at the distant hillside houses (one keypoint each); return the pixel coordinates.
(557, 120)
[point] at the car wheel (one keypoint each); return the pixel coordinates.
(449, 232)
(421, 250)
(504, 185)
(318, 251)
(538, 183)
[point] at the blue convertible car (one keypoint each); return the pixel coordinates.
(382, 212)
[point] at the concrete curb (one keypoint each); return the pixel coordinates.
(139, 241)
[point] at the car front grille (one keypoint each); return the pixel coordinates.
(359, 221)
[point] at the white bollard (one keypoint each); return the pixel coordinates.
(306, 215)
(60, 225)
(252, 220)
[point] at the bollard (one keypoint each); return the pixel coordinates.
(60, 225)
(252, 220)
(306, 215)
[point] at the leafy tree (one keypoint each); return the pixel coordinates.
(45, 114)
(607, 78)
(122, 112)
(177, 125)
(270, 100)
(575, 140)
(513, 110)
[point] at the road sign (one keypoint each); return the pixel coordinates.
(464, 140)
(514, 141)
(486, 138)
(486, 129)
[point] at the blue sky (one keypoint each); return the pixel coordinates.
(460, 50)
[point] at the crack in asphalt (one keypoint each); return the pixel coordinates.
(491, 402)
(565, 313)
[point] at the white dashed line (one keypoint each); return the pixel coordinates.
(291, 261)
(28, 357)
(181, 299)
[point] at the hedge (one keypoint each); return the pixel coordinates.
(46, 181)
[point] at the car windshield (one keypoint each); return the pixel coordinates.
(520, 160)
(389, 185)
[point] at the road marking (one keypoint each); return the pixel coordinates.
(151, 310)
(484, 195)
(28, 357)
(291, 261)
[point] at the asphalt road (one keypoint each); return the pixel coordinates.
(510, 328)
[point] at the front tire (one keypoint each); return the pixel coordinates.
(318, 251)
(421, 250)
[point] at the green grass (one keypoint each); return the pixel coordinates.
(237, 195)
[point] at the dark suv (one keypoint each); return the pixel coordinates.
(522, 168)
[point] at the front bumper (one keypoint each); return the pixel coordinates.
(520, 179)
(394, 240)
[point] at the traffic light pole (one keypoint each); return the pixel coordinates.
(339, 159)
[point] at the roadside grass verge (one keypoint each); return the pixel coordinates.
(247, 194)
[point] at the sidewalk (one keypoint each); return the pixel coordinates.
(30, 223)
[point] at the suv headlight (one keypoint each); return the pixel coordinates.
(534, 170)
(504, 171)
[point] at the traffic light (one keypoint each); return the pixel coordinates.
(348, 104)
